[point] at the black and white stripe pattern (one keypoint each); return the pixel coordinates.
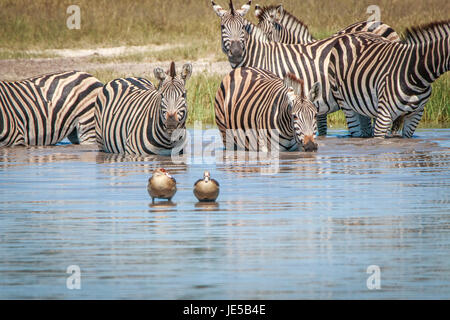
(389, 80)
(255, 109)
(281, 26)
(134, 117)
(44, 110)
(247, 46)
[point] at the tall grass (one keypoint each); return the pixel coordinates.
(41, 24)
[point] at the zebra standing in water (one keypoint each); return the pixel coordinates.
(134, 117)
(44, 110)
(247, 46)
(388, 80)
(281, 26)
(252, 105)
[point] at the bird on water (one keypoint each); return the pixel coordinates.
(206, 189)
(161, 185)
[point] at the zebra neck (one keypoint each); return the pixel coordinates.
(294, 30)
(430, 60)
(255, 32)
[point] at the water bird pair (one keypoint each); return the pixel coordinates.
(162, 185)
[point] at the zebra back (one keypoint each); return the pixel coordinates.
(44, 110)
(282, 26)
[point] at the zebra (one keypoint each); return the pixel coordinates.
(281, 26)
(134, 117)
(390, 81)
(255, 109)
(46, 109)
(247, 46)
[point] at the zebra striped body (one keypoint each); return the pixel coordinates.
(281, 26)
(247, 46)
(134, 117)
(390, 80)
(44, 110)
(255, 109)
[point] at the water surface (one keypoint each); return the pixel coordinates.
(308, 231)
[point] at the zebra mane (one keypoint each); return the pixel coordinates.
(231, 7)
(291, 80)
(172, 72)
(423, 34)
(287, 16)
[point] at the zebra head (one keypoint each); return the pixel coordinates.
(234, 33)
(303, 112)
(173, 112)
(269, 19)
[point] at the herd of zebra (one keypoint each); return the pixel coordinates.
(283, 81)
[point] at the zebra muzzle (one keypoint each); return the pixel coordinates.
(171, 123)
(309, 145)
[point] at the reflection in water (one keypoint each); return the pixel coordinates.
(308, 230)
(207, 206)
(163, 204)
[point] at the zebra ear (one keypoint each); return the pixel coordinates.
(244, 9)
(314, 92)
(159, 74)
(218, 9)
(258, 11)
(186, 71)
(279, 13)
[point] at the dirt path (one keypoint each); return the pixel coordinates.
(82, 60)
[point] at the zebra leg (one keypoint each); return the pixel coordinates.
(383, 123)
(410, 124)
(366, 126)
(397, 126)
(353, 122)
(322, 124)
(86, 131)
(73, 137)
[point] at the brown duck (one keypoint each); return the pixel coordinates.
(161, 185)
(206, 189)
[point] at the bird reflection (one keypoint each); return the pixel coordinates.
(206, 206)
(163, 206)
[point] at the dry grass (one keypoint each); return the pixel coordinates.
(41, 24)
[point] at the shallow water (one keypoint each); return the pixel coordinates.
(310, 230)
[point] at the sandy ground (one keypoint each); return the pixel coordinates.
(66, 59)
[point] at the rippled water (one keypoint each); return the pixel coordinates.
(309, 231)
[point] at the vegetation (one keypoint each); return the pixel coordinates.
(27, 28)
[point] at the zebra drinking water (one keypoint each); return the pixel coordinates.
(255, 108)
(281, 26)
(247, 46)
(134, 117)
(44, 110)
